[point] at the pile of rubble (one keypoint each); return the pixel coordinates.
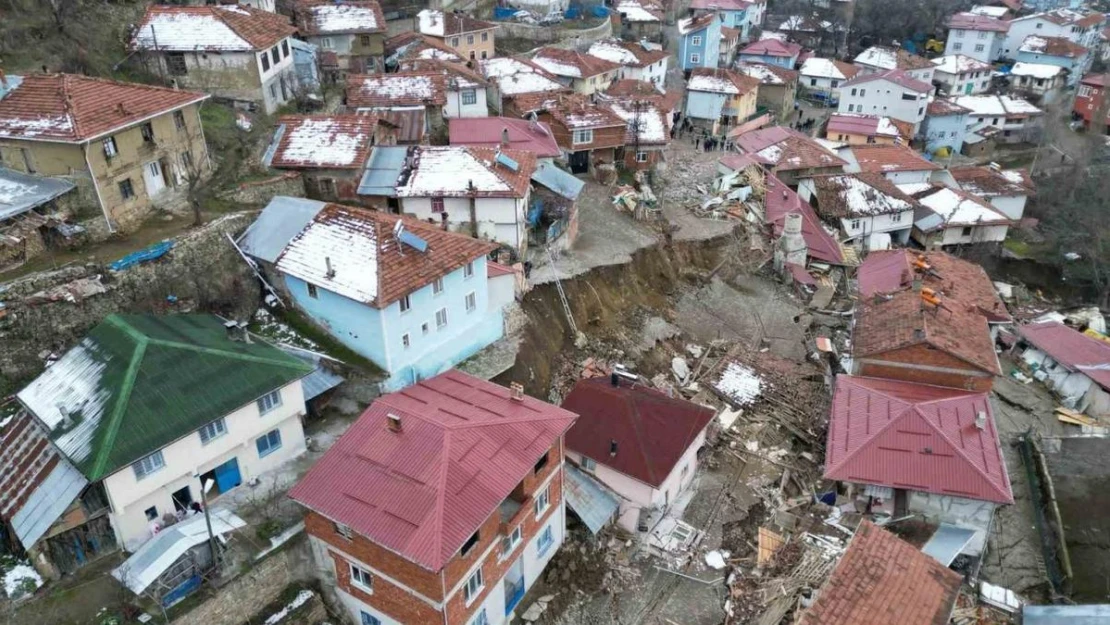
(736, 195)
(638, 200)
(587, 564)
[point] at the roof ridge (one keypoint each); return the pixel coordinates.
(126, 387)
(636, 430)
(441, 509)
(876, 433)
(960, 451)
(224, 353)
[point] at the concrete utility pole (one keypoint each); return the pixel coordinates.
(205, 486)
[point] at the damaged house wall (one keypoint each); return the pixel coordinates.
(960, 511)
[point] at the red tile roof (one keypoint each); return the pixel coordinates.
(399, 89)
(985, 181)
(917, 437)
(652, 431)
(972, 21)
(786, 149)
(412, 45)
(463, 447)
(882, 580)
(494, 270)
(572, 63)
(1095, 80)
(772, 47)
(1072, 349)
(1052, 46)
(486, 132)
(742, 82)
(882, 158)
(198, 28)
(324, 141)
(696, 23)
(575, 111)
(960, 282)
(643, 56)
(852, 123)
(767, 73)
(458, 75)
(452, 23)
(781, 201)
(629, 87)
(904, 320)
(446, 171)
(896, 76)
(942, 106)
(72, 109)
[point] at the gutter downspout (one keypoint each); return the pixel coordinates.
(96, 188)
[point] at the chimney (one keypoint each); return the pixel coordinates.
(393, 422)
(614, 379)
(236, 331)
(981, 420)
(505, 137)
(516, 391)
(469, 185)
(330, 273)
(918, 334)
(612, 448)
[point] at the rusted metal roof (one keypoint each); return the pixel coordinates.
(463, 445)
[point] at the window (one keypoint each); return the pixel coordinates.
(850, 107)
(469, 96)
(126, 191)
(312, 292)
(835, 84)
(896, 217)
(583, 136)
(484, 54)
(187, 161)
(326, 43)
(959, 33)
(110, 149)
(425, 328)
(966, 232)
(952, 134)
(269, 401)
(543, 500)
(175, 64)
(212, 431)
(957, 46)
(361, 577)
(853, 91)
(265, 62)
(437, 205)
(480, 618)
(404, 303)
(441, 318)
(273, 91)
(695, 40)
(406, 342)
(148, 465)
(285, 48)
(179, 120)
(1038, 25)
(275, 54)
(641, 157)
(979, 47)
(695, 59)
(471, 303)
(148, 132)
(455, 41)
(593, 80)
(364, 40)
(470, 543)
(545, 541)
(921, 110)
(588, 465)
(862, 92)
(151, 513)
(343, 530)
(473, 586)
(508, 543)
(268, 443)
(437, 286)
(485, 36)
(369, 620)
(470, 40)
(854, 225)
(468, 269)
(909, 97)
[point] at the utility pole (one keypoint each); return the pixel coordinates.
(205, 486)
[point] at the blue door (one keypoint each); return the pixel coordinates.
(227, 475)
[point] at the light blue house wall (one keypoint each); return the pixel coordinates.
(377, 334)
(782, 61)
(945, 131)
(1074, 65)
(705, 105)
(704, 43)
(736, 19)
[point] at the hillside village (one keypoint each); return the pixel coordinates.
(717, 312)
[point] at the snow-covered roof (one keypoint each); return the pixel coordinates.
(767, 74)
(640, 54)
(859, 195)
(338, 250)
(634, 11)
(648, 120)
(349, 17)
(614, 52)
(989, 11)
(516, 76)
(1052, 46)
(324, 142)
(713, 84)
(956, 208)
(1001, 105)
(696, 23)
(225, 28)
(826, 68)
(439, 24)
(398, 89)
(959, 64)
(462, 171)
(1036, 70)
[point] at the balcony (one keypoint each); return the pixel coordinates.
(513, 508)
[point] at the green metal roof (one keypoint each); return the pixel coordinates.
(136, 383)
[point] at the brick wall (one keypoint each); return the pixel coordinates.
(387, 597)
(917, 363)
(610, 137)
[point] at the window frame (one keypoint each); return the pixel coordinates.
(218, 427)
(446, 319)
(437, 286)
(641, 156)
(147, 131)
(271, 447)
(129, 193)
(588, 133)
(149, 516)
(471, 301)
(544, 541)
(542, 501)
(158, 462)
(273, 398)
(264, 57)
(313, 291)
(470, 594)
(469, 96)
(406, 340)
(695, 40)
(588, 465)
(695, 58)
(175, 64)
(357, 573)
(343, 530)
(404, 304)
(114, 151)
(179, 119)
(511, 541)
(468, 270)
(368, 619)
(438, 205)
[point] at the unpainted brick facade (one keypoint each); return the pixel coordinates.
(925, 364)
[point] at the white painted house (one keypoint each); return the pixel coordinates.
(867, 207)
(1017, 119)
(878, 59)
(892, 94)
(979, 36)
(1080, 27)
(638, 442)
(824, 76)
(642, 60)
(123, 406)
(955, 217)
(959, 74)
(481, 191)
(1006, 189)
(235, 52)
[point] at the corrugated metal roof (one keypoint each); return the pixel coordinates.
(383, 168)
(159, 553)
(20, 192)
(915, 437)
(1097, 614)
(136, 383)
(1071, 348)
(47, 502)
(947, 543)
(321, 380)
(592, 502)
(558, 181)
(463, 447)
(281, 220)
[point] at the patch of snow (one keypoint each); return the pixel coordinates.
(42, 125)
(1036, 70)
(15, 579)
(438, 55)
(712, 84)
(772, 153)
(773, 34)
(988, 11)
(430, 22)
(995, 105)
(613, 52)
(11, 190)
(955, 208)
(514, 77)
(344, 18)
(821, 68)
(394, 86)
(1033, 43)
(649, 122)
(447, 172)
(740, 384)
(861, 198)
(270, 327)
(557, 67)
(1013, 175)
(761, 73)
(301, 598)
(632, 11)
(321, 143)
(346, 244)
(959, 64)
(187, 32)
(716, 559)
(878, 56)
